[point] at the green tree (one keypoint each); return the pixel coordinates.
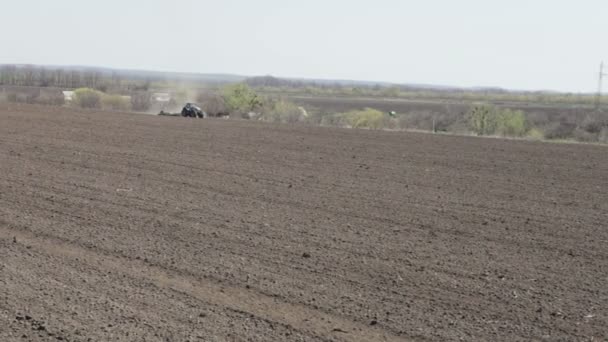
(482, 120)
(490, 120)
(511, 123)
(240, 98)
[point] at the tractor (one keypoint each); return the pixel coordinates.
(191, 110)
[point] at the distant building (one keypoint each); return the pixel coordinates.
(68, 95)
(161, 97)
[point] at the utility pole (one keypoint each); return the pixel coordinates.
(602, 74)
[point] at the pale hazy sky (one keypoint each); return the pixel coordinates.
(541, 44)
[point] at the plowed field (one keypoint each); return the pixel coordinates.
(123, 227)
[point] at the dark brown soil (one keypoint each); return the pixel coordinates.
(118, 227)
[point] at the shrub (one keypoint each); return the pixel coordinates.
(87, 98)
(594, 122)
(55, 99)
(402, 122)
(489, 120)
(141, 102)
(367, 118)
(283, 111)
(116, 102)
(20, 97)
(445, 122)
(240, 98)
(418, 119)
(332, 120)
(539, 119)
(389, 122)
(560, 130)
(511, 123)
(603, 136)
(535, 134)
(391, 92)
(580, 134)
(482, 120)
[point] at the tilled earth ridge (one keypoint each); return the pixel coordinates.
(120, 227)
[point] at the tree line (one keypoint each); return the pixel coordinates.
(69, 78)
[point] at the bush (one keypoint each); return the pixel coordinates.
(482, 120)
(283, 111)
(535, 134)
(390, 92)
(582, 135)
(56, 99)
(141, 102)
(116, 102)
(87, 98)
(539, 118)
(367, 118)
(419, 119)
(594, 122)
(241, 99)
(425, 120)
(20, 97)
(511, 123)
(603, 136)
(402, 122)
(560, 130)
(334, 120)
(490, 120)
